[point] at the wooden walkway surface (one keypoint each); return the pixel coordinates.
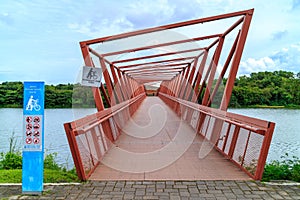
(158, 145)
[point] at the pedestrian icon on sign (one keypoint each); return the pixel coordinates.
(92, 74)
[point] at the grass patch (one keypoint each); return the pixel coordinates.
(10, 176)
(59, 176)
(266, 106)
(11, 167)
(50, 176)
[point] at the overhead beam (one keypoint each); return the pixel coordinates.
(156, 55)
(156, 62)
(164, 27)
(162, 45)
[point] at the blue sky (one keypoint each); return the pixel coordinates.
(39, 40)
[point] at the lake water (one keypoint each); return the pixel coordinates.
(11, 120)
(286, 138)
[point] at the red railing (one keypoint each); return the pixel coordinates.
(243, 140)
(91, 137)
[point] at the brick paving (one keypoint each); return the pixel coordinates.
(173, 190)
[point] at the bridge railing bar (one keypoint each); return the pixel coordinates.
(243, 140)
(91, 137)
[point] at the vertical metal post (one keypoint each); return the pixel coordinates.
(236, 61)
(200, 72)
(264, 151)
(213, 71)
(106, 78)
(88, 62)
(75, 152)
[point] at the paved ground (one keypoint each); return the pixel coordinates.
(159, 190)
(163, 148)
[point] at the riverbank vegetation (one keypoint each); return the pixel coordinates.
(11, 167)
(287, 169)
(278, 89)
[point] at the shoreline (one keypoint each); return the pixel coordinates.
(290, 107)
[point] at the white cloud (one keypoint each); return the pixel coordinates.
(287, 58)
(255, 65)
(44, 34)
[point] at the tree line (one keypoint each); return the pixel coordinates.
(56, 96)
(278, 88)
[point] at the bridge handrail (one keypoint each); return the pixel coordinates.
(99, 117)
(243, 140)
(90, 137)
(221, 115)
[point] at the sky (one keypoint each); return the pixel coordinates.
(39, 39)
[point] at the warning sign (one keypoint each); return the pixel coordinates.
(33, 137)
(33, 129)
(91, 76)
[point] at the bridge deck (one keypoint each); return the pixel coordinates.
(145, 150)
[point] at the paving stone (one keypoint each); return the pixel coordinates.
(150, 197)
(175, 198)
(159, 190)
(108, 189)
(160, 186)
(128, 196)
(214, 192)
(184, 194)
(237, 191)
(221, 198)
(230, 195)
(150, 190)
(170, 182)
(140, 192)
(193, 190)
(173, 190)
(148, 183)
(161, 194)
(180, 186)
(202, 187)
(139, 186)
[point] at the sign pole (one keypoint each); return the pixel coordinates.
(33, 138)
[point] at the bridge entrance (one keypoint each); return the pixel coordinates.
(185, 165)
(185, 132)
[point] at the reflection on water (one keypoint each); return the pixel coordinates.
(286, 138)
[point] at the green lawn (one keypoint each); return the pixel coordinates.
(50, 176)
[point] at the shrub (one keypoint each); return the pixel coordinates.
(288, 169)
(11, 160)
(49, 162)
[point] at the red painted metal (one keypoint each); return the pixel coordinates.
(260, 128)
(165, 27)
(213, 70)
(236, 60)
(96, 92)
(185, 80)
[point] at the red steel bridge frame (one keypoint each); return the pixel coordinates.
(186, 86)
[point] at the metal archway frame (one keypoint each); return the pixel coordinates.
(188, 80)
(168, 70)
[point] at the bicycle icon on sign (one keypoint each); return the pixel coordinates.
(33, 104)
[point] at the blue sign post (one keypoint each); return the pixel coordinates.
(33, 138)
